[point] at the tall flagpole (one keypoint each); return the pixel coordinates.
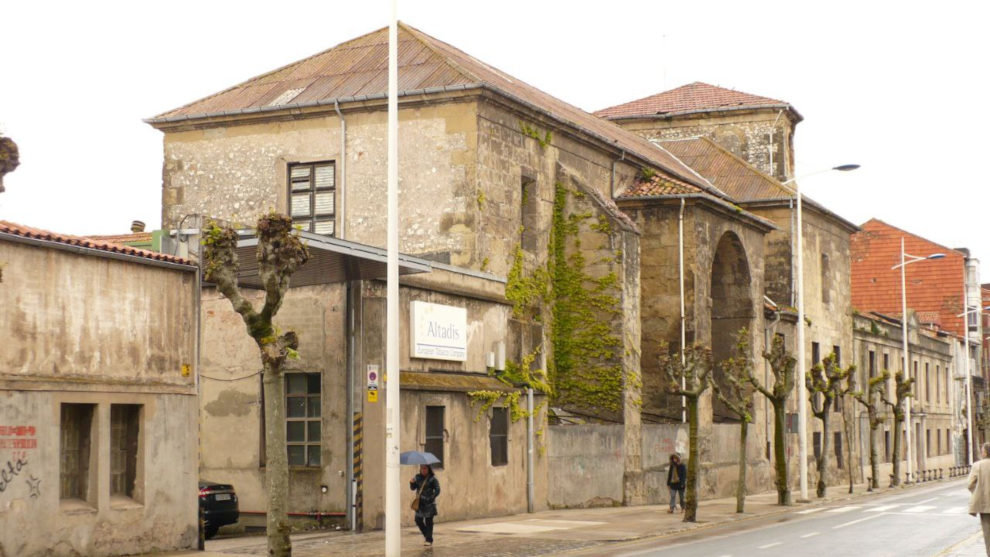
(393, 539)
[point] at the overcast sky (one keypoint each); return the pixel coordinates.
(900, 88)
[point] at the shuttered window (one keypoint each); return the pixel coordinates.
(312, 188)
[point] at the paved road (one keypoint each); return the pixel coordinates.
(924, 523)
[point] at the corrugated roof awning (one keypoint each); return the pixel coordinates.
(330, 260)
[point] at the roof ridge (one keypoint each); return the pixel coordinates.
(266, 74)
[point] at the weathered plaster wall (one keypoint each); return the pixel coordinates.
(92, 330)
(231, 427)
(93, 318)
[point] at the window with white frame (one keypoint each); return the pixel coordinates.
(312, 187)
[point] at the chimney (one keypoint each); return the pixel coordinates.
(137, 226)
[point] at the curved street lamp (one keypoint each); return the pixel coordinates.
(907, 259)
(802, 395)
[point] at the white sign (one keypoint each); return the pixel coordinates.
(373, 377)
(438, 332)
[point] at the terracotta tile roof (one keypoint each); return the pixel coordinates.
(934, 287)
(134, 237)
(659, 185)
(693, 97)
(79, 241)
(359, 68)
(726, 171)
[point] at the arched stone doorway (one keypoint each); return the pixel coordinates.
(731, 310)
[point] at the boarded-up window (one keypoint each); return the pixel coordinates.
(530, 214)
(434, 433)
(312, 188)
(124, 430)
(76, 436)
(499, 436)
(303, 418)
(838, 449)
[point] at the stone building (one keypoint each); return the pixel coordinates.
(942, 292)
(742, 145)
(506, 199)
(98, 383)
(878, 341)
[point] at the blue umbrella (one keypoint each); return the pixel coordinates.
(417, 458)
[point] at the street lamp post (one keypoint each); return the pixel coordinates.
(904, 343)
(802, 403)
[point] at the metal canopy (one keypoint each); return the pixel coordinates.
(330, 260)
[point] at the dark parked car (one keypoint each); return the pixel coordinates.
(217, 506)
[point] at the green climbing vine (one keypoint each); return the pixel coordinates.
(584, 370)
(530, 131)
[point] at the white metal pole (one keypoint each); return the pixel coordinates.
(969, 378)
(907, 371)
(802, 389)
(530, 495)
(393, 539)
(680, 267)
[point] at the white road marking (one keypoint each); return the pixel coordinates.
(918, 509)
(769, 545)
(845, 509)
(808, 535)
(956, 510)
(809, 511)
(850, 523)
(881, 508)
(926, 501)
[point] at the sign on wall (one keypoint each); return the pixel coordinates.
(438, 332)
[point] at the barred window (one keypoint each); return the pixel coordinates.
(75, 445)
(124, 429)
(311, 196)
(302, 418)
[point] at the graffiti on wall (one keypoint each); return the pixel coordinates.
(20, 439)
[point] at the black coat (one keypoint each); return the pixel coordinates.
(681, 475)
(428, 496)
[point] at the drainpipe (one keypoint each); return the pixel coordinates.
(611, 184)
(342, 219)
(680, 266)
(350, 366)
(529, 450)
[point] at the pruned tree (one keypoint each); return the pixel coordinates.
(782, 368)
(871, 400)
(9, 157)
(280, 253)
(902, 392)
(688, 378)
(737, 396)
(848, 420)
(824, 381)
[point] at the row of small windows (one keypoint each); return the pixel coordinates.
(933, 386)
(77, 464)
(304, 422)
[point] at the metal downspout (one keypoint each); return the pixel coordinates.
(342, 218)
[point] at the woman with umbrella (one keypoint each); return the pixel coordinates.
(427, 487)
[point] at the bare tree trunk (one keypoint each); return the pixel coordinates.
(741, 488)
(823, 457)
(780, 452)
(847, 421)
(691, 497)
(896, 479)
(276, 463)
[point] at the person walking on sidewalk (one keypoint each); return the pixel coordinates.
(676, 479)
(427, 487)
(979, 487)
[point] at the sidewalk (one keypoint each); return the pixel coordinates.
(551, 532)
